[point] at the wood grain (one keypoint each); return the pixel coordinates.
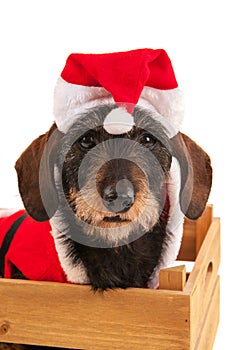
(194, 234)
(173, 278)
(205, 339)
(73, 316)
(203, 278)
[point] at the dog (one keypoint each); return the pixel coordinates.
(108, 205)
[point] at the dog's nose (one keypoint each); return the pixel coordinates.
(119, 198)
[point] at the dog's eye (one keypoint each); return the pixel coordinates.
(148, 140)
(87, 141)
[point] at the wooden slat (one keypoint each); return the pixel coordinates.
(194, 234)
(202, 226)
(188, 245)
(203, 277)
(72, 316)
(206, 338)
(173, 278)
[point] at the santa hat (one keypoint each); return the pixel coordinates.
(142, 77)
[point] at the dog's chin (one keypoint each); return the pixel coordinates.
(104, 222)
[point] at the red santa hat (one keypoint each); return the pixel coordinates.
(142, 77)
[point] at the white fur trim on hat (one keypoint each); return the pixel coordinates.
(71, 100)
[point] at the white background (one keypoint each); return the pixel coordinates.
(36, 38)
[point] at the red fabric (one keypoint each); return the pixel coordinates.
(32, 250)
(123, 74)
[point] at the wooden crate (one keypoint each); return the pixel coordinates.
(182, 314)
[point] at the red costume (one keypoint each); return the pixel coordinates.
(31, 250)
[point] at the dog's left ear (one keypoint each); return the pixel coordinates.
(35, 170)
(196, 175)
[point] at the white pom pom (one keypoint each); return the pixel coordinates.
(118, 121)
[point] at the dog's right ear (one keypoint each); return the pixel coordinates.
(196, 175)
(35, 170)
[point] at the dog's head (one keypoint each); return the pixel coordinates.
(114, 184)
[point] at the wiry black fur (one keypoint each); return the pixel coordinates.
(125, 266)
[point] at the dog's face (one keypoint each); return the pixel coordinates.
(115, 183)
(102, 190)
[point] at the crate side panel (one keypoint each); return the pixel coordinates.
(203, 278)
(205, 340)
(74, 317)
